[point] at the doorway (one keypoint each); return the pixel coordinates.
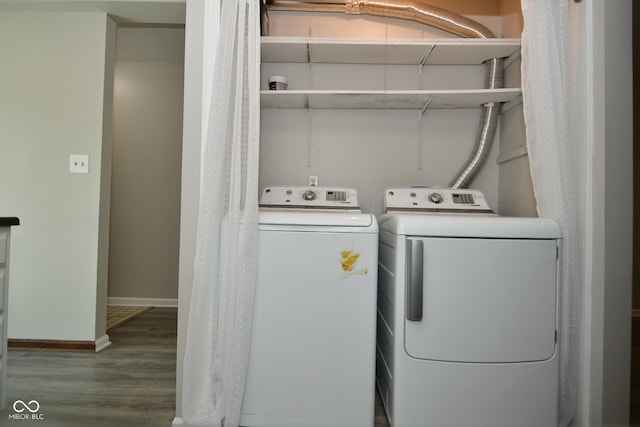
(146, 169)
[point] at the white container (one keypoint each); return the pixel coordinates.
(278, 83)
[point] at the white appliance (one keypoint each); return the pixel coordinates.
(467, 313)
(312, 358)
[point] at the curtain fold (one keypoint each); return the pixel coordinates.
(221, 311)
(547, 105)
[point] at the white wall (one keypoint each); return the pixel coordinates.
(603, 123)
(105, 188)
(200, 48)
(370, 150)
(52, 82)
(617, 211)
(145, 196)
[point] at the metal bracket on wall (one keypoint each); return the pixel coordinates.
(424, 59)
(309, 137)
(424, 108)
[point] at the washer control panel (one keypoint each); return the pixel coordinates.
(435, 200)
(309, 197)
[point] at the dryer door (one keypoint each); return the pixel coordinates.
(481, 300)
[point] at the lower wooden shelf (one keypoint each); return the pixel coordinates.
(381, 99)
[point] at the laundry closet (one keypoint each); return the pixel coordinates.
(375, 102)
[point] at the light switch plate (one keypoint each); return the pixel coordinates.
(79, 163)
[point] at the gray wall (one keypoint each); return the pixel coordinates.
(145, 195)
(56, 101)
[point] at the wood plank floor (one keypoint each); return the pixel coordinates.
(131, 383)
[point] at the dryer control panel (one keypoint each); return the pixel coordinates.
(425, 199)
(309, 197)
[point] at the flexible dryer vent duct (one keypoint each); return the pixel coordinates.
(416, 10)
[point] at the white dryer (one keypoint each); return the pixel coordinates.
(467, 313)
(312, 358)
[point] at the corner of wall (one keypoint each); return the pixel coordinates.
(105, 179)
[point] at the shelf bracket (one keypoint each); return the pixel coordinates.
(512, 58)
(510, 104)
(309, 137)
(310, 35)
(424, 108)
(426, 56)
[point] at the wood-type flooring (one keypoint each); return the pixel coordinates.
(130, 383)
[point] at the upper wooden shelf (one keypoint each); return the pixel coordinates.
(451, 51)
(373, 99)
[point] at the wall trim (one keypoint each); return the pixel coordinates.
(635, 312)
(102, 343)
(143, 302)
(62, 345)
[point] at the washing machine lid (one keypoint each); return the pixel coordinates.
(300, 218)
(292, 206)
(460, 225)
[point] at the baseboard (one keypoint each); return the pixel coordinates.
(144, 302)
(102, 343)
(177, 421)
(63, 345)
(60, 345)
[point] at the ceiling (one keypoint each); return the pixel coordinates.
(150, 44)
(122, 11)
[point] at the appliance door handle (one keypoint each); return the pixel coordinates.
(415, 257)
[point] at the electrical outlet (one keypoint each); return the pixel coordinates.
(313, 180)
(79, 163)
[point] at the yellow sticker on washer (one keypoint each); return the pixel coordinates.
(348, 261)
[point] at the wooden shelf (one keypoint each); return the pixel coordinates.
(373, 99)
(450, 51)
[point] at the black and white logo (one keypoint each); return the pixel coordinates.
(26, 410)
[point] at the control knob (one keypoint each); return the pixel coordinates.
(309, 195)
(435, 198)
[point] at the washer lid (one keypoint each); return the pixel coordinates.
(292, 197)
(304, 218)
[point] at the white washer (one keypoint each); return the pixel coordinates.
(312, 359)
(467, 313)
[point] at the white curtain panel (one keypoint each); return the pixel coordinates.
(547, 103)
(219, 326)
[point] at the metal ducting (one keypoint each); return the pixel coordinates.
(487, 130)
(418, 11)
